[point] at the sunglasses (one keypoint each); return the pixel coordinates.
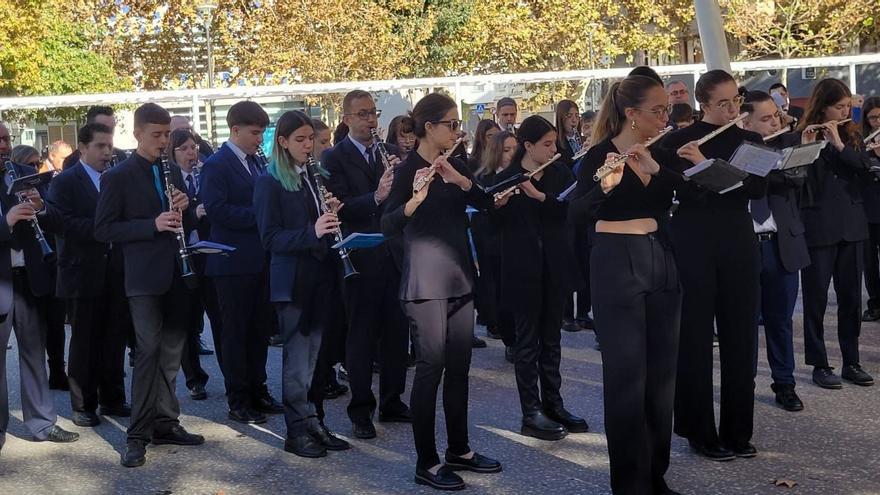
(453, 124)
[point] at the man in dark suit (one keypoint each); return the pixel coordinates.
(784, 252)
(797, 113)
(241, 278)
(359, 180)
(24, 282)
(91, 279)
(98, 115)
(134, 212)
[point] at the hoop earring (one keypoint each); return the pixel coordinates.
(633, 125)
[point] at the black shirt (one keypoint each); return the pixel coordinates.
(436, 261)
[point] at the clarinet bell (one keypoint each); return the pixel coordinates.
(348, 269)
(46, 249)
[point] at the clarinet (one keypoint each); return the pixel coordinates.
(383, 151)
(21, 197)
(197, 175)
(264, 162)
(348, 267)
(186, 270)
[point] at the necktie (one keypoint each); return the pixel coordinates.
(252, 165)
(371, 159)
(760, 210)
(190, 187)
(157, 181)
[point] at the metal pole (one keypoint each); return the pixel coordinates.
(712, 35)
(853, 76)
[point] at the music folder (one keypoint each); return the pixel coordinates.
(208, 247)
(34, 181)
(360, 240)
(716, 175)
(509, 182)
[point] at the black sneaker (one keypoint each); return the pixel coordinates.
(855, 374)
(825, 378)
(787, 398)
(871, 315)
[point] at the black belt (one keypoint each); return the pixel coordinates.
(766, 236)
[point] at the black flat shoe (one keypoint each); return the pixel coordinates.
(572, 423)
(86, 419)
(871, 315)
(404, 416)
(743, 451)
(788, 399)
(59, 381)
(854, 373)
(478, 463)
(198, 392)
(135, 454)
(267, 404)
(492, 332)
(363, 429)
(445, 479)
(825, 378)
(478, 343)
(58, 434)
(305, 446)
(585, 322)
(177, 435)
(203, 349)
(246, 416)
(509, 355)
(334, 390)
(326, 438)
(119, 410)
(275, 341)
(713, 452)
(569, 325)
(538, 425)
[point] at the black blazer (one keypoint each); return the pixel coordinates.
(536, 249)
(126, 214)
(871, 188)
(286, 222)
(22, 237)
(82, 259)
(74, 157)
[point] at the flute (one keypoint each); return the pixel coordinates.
(609, 167)
(827, 125)
(721, 129)
(421, 183)
(580, 154)
(500, 195)
(776, 134)
(871, 136)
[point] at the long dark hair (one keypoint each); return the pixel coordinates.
(870, 103)
(531, 130)
(562, 109)
(431, 108)
(480, 141)
(627, 93)
(175, 140)
(399, 125)
(826, 93)
(491, 158)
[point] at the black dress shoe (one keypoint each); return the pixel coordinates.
(478, 343)
(445, 479)
(198, 392)
(135, 454)
(509, 354)
(363, 429)
(119, 410)
(714, 452)
(305, 446)
(267, 404)
(58, 434)
(58, 381)
(569, 325)
(744, 450)
(492, 332)
(585, 322)
(478, 463)
(325, 437)
(871, 315)
(854, 373)
(247, 416)
(86, 419)
(177, 435)
(404, 416)
(203, 349)
(334, 390)
(825, 378)
(572, 423)
(275, 341)
(787, 398)
(538, 425)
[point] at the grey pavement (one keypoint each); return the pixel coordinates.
(832, 447)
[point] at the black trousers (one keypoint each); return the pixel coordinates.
(375, 319)
(581, 308)
(160, 326)
(716, 253)
(244, 302)
(872, 266)
(442, 330)
(99, 330)
(191, 361)
(637, 303)
(842, 262)
(492, 312)
(538, 351)
(56, 337)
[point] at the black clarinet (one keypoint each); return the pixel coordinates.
(383, 151)
(186, 270)
(264, 162)
(21, 197)
(347, 266)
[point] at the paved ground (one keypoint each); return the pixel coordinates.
(832, 447)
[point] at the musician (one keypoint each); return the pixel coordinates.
(437, 288)
(54, 307)
(360, 180)
(303, 273)
(91, 280)
(587, 119)
(836, 229)
(777, 223)
(568, 121)
(241, 278)
(795, 112)
(716, 254)
(486, 130)
(182, 122)
(133, 211)
(533, 227)
(183, 152)
(637, 296)
(505, 114)
(400, 134)
(57, 153)
(681, 115)
(677, 92)
(871, 194)
(98, 115)
(24, 282)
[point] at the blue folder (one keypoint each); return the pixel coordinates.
(208, 247)
(360, 240)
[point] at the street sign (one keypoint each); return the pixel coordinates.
(481, 109)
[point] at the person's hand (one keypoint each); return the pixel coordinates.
(692, 153)
(19, 212)
(34, 197)
(811, 133)
(384, 188)
(393, 160)
(502, 199)
(201, 212)
(832, 134)
(333, 204)
(179, 200)
(169, 221)
(326, 224)
(420, 195)
(449, 174)
(641, 159)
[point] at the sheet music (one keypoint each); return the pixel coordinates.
(798, 156)
(755, 159)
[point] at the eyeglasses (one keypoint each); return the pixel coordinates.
(678, 92)
(658, 112)
(367, 114)
(453, 124)
(186, 147)
(874, 118)
(35, 164)
(737, 101)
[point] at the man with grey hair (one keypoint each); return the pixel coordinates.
(678, 92)
(58, 152)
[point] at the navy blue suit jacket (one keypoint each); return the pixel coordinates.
(227, 191)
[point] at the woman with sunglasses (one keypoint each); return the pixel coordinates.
(437, 285)
(538, 272)
(716, 253)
